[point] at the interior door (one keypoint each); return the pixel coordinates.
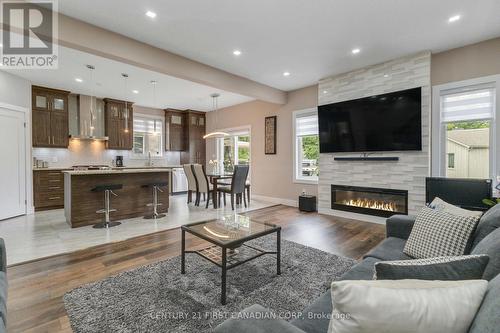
(13, 165)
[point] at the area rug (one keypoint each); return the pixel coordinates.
(157, 298)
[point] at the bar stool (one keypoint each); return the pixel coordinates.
(107, 189)
(156, 187)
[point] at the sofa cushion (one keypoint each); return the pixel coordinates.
(490, 245)
(389, 249)
(363, 270)
(3, 329)
(487, 319)
(316, 317)
(470, 267)
(3, 297)
(489, 222)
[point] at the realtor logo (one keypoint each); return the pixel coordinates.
(28, 35)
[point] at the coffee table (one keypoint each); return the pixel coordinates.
(226, 234)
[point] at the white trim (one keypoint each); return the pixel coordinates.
(295, 115)
(281, 201)
(219, 145)
(354, 216)
(438, 142)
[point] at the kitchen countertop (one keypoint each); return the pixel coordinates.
(50, 168)
(111, 168)
(114, 171)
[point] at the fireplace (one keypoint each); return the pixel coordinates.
(369, 200)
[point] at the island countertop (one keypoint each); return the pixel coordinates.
(115, 171)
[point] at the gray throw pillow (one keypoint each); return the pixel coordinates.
(438, 234)
(470, 267)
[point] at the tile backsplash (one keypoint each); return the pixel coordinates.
(94, 152)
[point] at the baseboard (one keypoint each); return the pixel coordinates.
(354, 216)
(281, 201)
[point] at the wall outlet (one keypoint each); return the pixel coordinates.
(54, 159)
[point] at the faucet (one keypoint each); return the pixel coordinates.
(150, 160)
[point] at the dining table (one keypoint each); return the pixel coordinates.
(214, 180)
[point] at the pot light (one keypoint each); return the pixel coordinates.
(237, 52)
(1, 45)
(454, 18)
(78, 80)
(150, 14)
(386, 75)
(286, 73)
(135, 91)
(355, 51)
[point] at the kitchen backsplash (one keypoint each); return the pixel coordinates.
(82, 152)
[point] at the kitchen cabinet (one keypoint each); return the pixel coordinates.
(50, 117)
(195, 131)
(119, 122)
(175, 130)
(48, 189)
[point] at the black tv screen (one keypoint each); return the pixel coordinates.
(388, 122)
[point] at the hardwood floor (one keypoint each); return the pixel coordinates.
(36, 288)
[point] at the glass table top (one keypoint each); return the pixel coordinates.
(229, 229)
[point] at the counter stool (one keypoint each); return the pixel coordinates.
(107, 189)
(156, 187)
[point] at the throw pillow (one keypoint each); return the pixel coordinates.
(443, 206)
(469, 267)
(404, 306)
(437, 234)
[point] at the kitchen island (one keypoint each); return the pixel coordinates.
(81, 203)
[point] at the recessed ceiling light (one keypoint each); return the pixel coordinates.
(386, 75)
(1, 45)
(454, 18)
(78, 79)
(236, 52)
(286, 73)
(355, 51)
(325, 92)
(135, 91)
(150, 14)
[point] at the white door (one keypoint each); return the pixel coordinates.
(12, 164)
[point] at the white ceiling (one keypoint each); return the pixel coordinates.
(311, 39)
(170, 92)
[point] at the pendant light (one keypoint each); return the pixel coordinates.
(125, 114)
(92, 101)
(215, 134)
(153, 83)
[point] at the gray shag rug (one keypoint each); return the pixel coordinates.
(157, 298)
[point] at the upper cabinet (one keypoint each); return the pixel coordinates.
(50, 117)
(119, 122)
(195, 144)
(175, 130)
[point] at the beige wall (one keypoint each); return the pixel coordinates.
(272, 175)
(471, 61)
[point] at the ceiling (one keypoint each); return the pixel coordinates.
(170, 92)
(311, 39)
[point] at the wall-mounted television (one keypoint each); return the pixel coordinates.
(388, 122)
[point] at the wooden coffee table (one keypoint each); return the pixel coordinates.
(227, 234)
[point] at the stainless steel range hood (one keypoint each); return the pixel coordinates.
(84, 125)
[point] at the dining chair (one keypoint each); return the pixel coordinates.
(204, 186)
(237, 187)
(192, 186)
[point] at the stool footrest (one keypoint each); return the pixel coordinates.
(103, 211)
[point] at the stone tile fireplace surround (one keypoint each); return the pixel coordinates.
(406, 174)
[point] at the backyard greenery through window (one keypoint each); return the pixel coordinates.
(306, 146)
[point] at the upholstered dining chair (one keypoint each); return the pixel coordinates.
(192, 187)
(204, 186)
(237, 187)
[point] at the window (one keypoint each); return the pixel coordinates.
(306, 146)
(467, 117)
(148, 136)
(233, 150)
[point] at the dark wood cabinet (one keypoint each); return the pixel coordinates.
(50, 117)
(119, 122)
(48, 189)
(195, 143)
(175, 130)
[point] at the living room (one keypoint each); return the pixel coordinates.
(251, 167)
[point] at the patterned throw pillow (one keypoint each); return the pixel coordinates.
(438, 233)
(469, 267)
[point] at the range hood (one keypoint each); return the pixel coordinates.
(83, 124)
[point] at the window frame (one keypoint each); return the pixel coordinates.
(451, 158)
(144, 155)
(219, 146)
(295, 145)
(438, 138)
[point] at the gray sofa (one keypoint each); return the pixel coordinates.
(486, 240)
(3, 287)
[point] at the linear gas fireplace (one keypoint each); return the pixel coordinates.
(370, 200)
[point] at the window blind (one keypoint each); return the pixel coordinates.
(469, 105)
(307, 125)
(147, 126)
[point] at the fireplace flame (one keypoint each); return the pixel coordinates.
(372, 204)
